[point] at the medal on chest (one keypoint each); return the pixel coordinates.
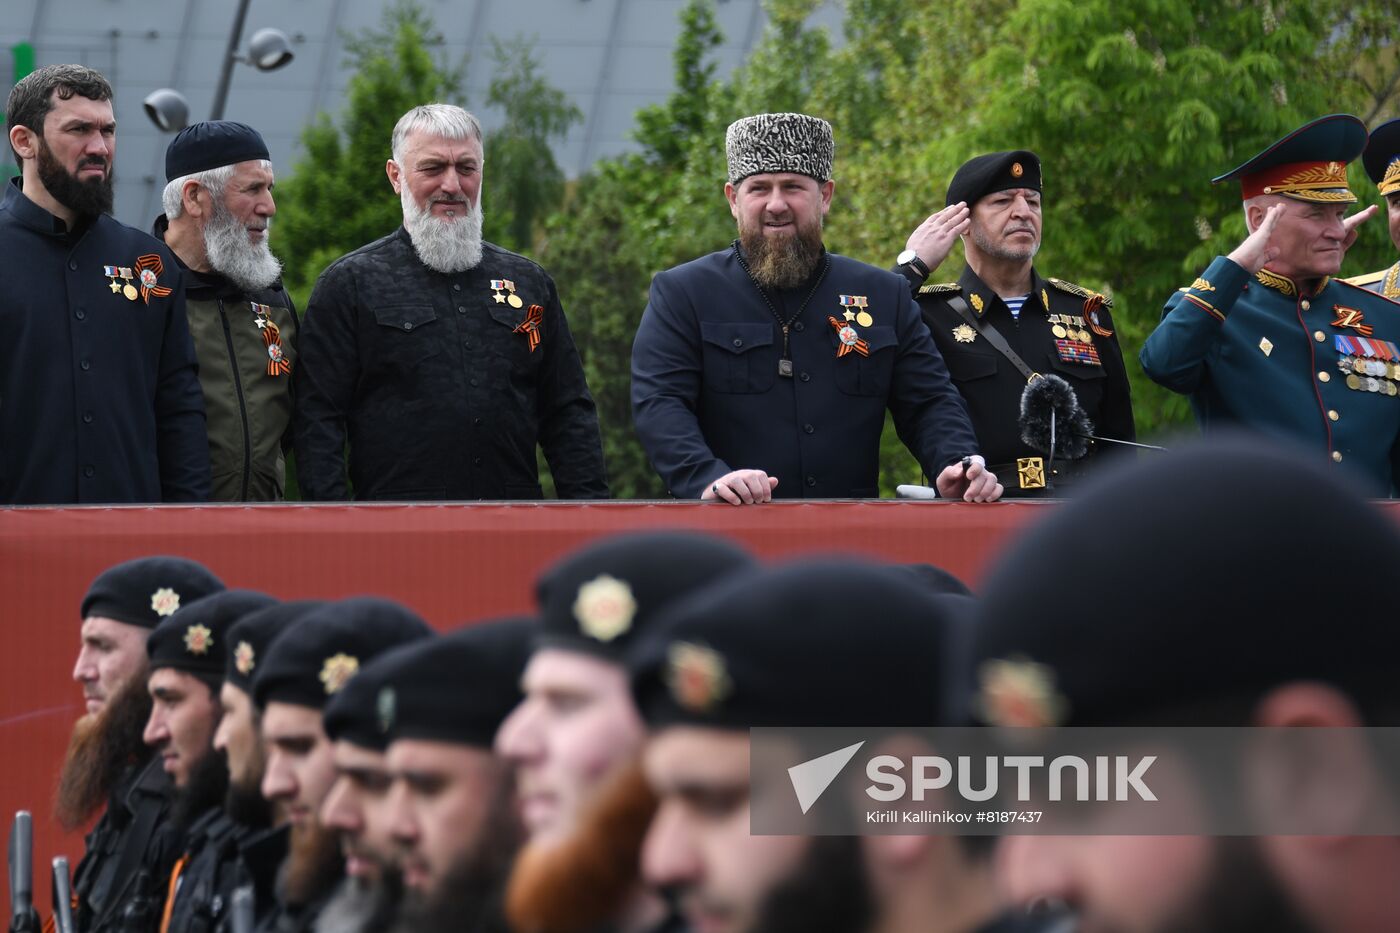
(530, 327)
(500, 286)
(1369, 365)
(847, 339)
(127, 291)
(861, 316)
(277, 364)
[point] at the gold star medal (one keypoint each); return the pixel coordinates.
(861, 316)
(605, 608)
(964, 334)
(337, 671)
(198, 639)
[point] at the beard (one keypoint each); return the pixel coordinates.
(447, 246)
(204, 790)
(314, 865)
(998, 250)
(580, 883)
(828, 892)
(103, 746)
(1239, 894)
(251, 266)
(245, 804)
(87, 199)
(470, 895)
(784, 261)
(362, 907)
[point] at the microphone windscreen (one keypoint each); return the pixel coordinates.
(1052, 395)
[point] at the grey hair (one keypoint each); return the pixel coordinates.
(1260, 200)
(447, 120)
(213, 180)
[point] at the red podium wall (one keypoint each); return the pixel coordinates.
(452, 563)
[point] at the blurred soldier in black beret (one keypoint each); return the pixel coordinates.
(818, 643)
(130, 852)
(577, 732)
(1382, 160)
(451, 812)
(304, 667)
(188, 653)
(1002, 303)
(1197, 622)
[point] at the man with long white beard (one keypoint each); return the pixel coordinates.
(754, 374)
(218, 214)
(131, 849)
(441, 359)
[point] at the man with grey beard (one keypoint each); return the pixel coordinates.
(441, 360)
(765, 369)
(218, 213)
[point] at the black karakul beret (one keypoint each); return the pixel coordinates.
(996, 171)
(250, 638)
(457, 688)
(1208, 590)
(812, 643)
(313, 659)
(147, 590)
(212, 144)
(195, 639)
(779, 142)
(598, 598)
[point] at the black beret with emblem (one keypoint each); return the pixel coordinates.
(996, 171)
(779, 142)
(457, 688)
(813, 643)
(597, 598)
(1215, 573)
(212, 144)
(314, 658)
(147, 590)
(250, 638)
(195, 639)
(352, 714)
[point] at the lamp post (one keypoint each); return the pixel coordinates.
(268, 50)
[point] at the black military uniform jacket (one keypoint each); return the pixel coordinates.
(121, 881)
(442, 384)
(246, 343)
(708, 395)
(223, 856)
(1087, 357)
(99, 392)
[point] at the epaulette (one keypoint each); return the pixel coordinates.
(1366, 279)
(1358, 282)
(1079, 290)
(940, 288)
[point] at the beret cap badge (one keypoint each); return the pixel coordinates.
(198, 639)
(165, 601)
(337, 670)
(697, 676)
(244, 658)
(1020, 693)
(1017, 170)
(605, 608)
(386, 705)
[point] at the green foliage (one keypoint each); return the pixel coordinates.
(529, 183)
(338, 197)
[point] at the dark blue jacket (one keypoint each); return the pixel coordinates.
(707, 396)
(99, 393)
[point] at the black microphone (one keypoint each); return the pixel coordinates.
(1052, 421)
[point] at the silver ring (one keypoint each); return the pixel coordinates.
(715, 489)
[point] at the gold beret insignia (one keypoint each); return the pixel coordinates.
(1020, 693)
(605, 608)
(1016, 170)
(198, 640)
(697, 677)
(165, 601)
(337, 670)
(244, 658)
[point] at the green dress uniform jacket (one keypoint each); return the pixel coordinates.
(1321, 371)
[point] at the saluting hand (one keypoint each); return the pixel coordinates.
(1355, 220)
(933, 239)
(974, 483)
(742, 487)
(1256, 251)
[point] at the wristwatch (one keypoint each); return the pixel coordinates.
(912, 267)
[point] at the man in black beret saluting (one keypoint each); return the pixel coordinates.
(766, 369)
(1001, 324)
(218, 215)
(130, 851)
